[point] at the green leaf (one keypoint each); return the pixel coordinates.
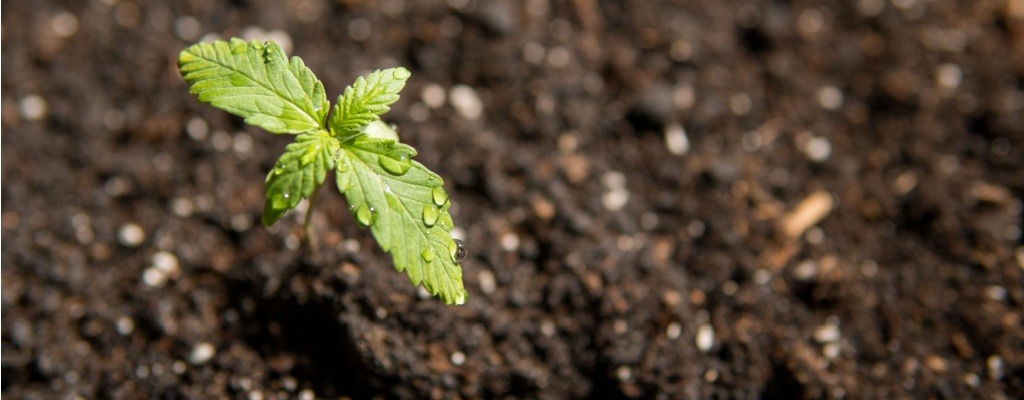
(256, 81)
(300, 170)
(406, 208)
(364, 101)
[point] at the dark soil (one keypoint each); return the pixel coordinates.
(603, 263)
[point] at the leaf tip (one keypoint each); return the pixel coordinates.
(401, 73)
(461, 298)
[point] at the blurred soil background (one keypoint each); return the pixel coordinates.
(661, 199)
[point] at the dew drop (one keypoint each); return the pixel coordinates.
(428, 254)
(430, 214)
(440, 196)
(344, 167)
(286, 195)
(397, 167)
(364, 215)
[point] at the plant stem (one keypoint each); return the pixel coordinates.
(307, 226)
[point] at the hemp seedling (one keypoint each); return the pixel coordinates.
(402, 202)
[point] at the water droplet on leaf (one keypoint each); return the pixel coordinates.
(440, 196)
(364, 215)
(286, 195)
(430, 214)
(428, 254)
(397, 167)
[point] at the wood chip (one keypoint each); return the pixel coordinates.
(808, 213)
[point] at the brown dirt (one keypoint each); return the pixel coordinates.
(907, 117)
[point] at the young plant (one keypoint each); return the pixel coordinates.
(402, 202)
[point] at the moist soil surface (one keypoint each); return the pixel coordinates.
(717, 199)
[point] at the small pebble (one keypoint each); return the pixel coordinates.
(166, 262)
(815, 235)
(197, 128)
(615, 200)
(831, 350)
(289, 383)
(676, 140)
(623, 373)
(996, 292)
(681, 50)
(547, 328)
(740, 104)
(818, 149)
(616, 196)
(948, 76)
(458, 358)
(696, 228)
(487, 281)
(241, 222)
(620, 326)
(673, 330)
(179, 367)
(705, 337)
(64, 24)
(828, 333)
(181, 206)
(762, 276)
(830, 98)
(33, 107)
(730, 288)
(509, 241)
(534, 52)
(221, 141)
(810, 23)
(559, 57)
(433, 95)
(972, 379)
(202, 353)
(125, 326)
(243, 144)
(131, 235)
(995, 367)
(154, 277)
(188, 28)
(466, 101)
